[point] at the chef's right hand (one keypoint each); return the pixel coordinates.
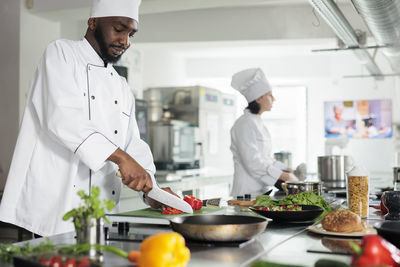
(288, 177)
(134, 176)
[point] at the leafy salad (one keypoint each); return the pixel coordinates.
(304, 198)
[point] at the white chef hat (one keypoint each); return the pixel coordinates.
(251, 83)
(115, 8)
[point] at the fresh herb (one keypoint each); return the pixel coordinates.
(265, 201)
(8, 251)
(91, 207)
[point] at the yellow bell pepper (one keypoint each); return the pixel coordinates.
(164, 250)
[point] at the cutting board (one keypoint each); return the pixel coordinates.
(149, 212)
(154, 216)
(242, 203)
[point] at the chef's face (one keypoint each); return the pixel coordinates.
(265, 102)
(113, 36)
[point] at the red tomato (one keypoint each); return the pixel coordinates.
(194, 202)
(45, 262)
(56, 262)
(169, 211)
(70, 263)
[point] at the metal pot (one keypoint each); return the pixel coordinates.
(332, 170)
(219, 227)
(297, 187)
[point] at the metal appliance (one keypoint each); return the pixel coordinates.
(332, 170)
(142, 119)
(173, 145)
(211, 111)
(285, 157)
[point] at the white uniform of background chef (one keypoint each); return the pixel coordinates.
(255, 169)
(79, 126)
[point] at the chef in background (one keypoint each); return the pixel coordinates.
(255, 168)
(79, 127)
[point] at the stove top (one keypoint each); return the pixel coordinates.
(126, 236)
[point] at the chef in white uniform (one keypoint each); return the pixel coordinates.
(79, 126)
(255, 169)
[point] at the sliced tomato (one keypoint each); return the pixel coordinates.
(169, 211)
(194, 202)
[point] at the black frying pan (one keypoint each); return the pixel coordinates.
(219, 227)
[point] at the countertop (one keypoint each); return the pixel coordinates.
(284, 243)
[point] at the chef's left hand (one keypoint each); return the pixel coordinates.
(154, 203)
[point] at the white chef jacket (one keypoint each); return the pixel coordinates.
(77, 114)
(255, 169)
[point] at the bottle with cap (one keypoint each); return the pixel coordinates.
(358, 191)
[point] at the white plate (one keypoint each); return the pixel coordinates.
(317, 228)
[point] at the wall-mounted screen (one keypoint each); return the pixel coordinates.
(358, 119)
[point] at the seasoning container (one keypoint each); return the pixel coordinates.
(358, 191)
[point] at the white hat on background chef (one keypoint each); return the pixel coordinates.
(251, 83)
(115, 8)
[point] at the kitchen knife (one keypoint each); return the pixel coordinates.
(166, 198)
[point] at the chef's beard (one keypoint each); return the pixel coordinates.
(98, 35)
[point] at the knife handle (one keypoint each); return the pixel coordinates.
(119, 174)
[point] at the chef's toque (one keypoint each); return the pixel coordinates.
(115, 8)
(251, 83)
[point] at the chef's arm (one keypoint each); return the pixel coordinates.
(288, 177)
(134, 176)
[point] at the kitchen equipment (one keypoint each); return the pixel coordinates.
(224, 228)
(391, 200)
(307, 214)
(389, 230)
(285, 157)
(211, 111)
(142, 119)
(166, 198)
(396, 178)
(174, 145)
(298, 187)
(332, 170)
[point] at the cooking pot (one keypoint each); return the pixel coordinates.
(219, 227)
(332, 170)
(297, 187)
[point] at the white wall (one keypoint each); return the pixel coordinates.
(36, 34)
(9, 83)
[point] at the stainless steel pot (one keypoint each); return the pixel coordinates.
(219, 227)
(297, 187)
(332, 170)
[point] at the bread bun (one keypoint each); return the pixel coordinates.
(343, 221)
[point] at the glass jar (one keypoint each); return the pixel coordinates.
(358, 194)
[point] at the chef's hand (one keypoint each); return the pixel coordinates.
(154, 203)
(134, 176)
(288, 177)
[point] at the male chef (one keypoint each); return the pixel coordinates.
(79, 126)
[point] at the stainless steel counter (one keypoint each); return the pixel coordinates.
(285, 243)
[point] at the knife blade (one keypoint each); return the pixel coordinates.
(166, 198)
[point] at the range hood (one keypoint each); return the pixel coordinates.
(332, 15)
(383, 20)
